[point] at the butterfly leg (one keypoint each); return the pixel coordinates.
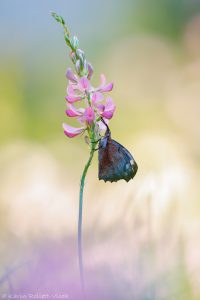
(103, 137)
(94, 142)
(87, 140)
(98, 148)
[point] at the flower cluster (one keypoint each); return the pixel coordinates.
(97, 106)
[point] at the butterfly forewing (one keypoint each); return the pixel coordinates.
(115, 161)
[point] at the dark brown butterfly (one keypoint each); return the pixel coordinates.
(115, 161)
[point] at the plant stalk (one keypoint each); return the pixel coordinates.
(80, 257)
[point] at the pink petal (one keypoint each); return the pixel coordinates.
(70, 89)
(102, 126)
(72, 99)
(78, 66)
(81, 119)
(109, 103)
(107, 88)
(108, 114)
(89, 115)
(90, 71)
(102, 80)
(72, 111)
(100, 107)
(70, 75)
(103, 86)
(84, 83)
(72, 131)
(109, 108)
(96, 97)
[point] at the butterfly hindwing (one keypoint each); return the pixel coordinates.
(127, 162)
(115, 161)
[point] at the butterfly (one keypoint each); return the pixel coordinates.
(115, 161)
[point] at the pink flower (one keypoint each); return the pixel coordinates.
(84, 84)
(72, 131)
(71, 76)
(73, 98)
(78, 88)
(89, 115)
(74, 94)
(81, 88)
(108, 109)
(73, 112)
(85, 116)
(97, 97)
(103, 86)
(77, 84)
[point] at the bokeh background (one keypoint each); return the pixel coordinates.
(142, 238)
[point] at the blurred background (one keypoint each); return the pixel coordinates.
(141, 239)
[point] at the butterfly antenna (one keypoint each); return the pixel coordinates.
(108, 132)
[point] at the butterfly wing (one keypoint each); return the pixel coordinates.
(115, 162)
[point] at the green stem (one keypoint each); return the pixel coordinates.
(81, 270)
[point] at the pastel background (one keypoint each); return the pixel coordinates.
(141, 239)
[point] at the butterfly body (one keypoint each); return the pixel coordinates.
(115, 161)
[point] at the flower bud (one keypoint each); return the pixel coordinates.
(74, 42)
(72, 56)
(80, 55)
(58, 18)
(67, 40)
(70, 75)
(90, 71)
(78, 66)
(84, 68)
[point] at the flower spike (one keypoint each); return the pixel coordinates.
(88, 106)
